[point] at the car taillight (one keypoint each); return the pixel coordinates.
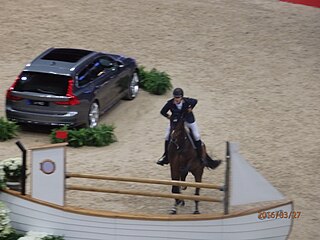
(73, 100)
(9, 91)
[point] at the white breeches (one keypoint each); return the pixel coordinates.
(192, 126)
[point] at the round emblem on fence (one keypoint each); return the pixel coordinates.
(47, 166)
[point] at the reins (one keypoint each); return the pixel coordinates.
(179, 147)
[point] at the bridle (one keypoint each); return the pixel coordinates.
(179, 146)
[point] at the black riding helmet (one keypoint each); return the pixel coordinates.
(178, 92)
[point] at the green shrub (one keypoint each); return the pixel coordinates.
(77, 138)
(142, 77)
(154, 81)
(13, 235)
(101, 135)
(52, 237)
(8, 129)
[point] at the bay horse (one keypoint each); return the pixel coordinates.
(183, 158)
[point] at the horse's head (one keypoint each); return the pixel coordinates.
(178, 133)
(176, 121)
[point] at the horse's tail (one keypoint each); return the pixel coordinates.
(210, 163)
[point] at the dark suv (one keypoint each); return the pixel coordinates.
(64, 86)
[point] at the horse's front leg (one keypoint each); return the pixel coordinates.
(176, 176)
(183, 178)
(177, 202)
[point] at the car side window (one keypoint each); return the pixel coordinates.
(84, 76)
(108, 64)
(99, 67)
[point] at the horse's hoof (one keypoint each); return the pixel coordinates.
(172, 212)
(196, 212)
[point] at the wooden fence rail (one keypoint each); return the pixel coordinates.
(143, 193)
(145, 180)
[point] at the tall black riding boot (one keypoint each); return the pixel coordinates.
(164, 159)
(199, 150)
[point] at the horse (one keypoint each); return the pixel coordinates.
(183, 158)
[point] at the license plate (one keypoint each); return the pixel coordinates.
(38, 103)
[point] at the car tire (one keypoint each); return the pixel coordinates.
(93, 115)
(133, 87)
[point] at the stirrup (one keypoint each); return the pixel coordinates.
(163, 160)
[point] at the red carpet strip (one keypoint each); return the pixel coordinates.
(313, 3)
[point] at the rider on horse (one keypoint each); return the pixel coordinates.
(179, 105)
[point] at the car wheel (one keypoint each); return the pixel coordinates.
(93, 116)
(133, 88)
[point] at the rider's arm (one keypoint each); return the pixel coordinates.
(165, 109)
(191, 102)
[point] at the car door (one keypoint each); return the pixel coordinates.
(105, 81)
(85, 85)
(123, 78)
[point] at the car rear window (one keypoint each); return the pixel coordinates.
(43, 83)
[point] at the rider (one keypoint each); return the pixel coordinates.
(177, 106)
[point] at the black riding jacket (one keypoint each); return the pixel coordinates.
(187, 103)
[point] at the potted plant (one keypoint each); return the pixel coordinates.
(4, 220)
(31, 235)
(154, 81)
(8, 129)
(10, 172)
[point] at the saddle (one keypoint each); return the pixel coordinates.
(192, 140)
(190, 137)
(208, 161)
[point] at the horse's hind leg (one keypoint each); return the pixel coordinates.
(196, 208)
(198, 178)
